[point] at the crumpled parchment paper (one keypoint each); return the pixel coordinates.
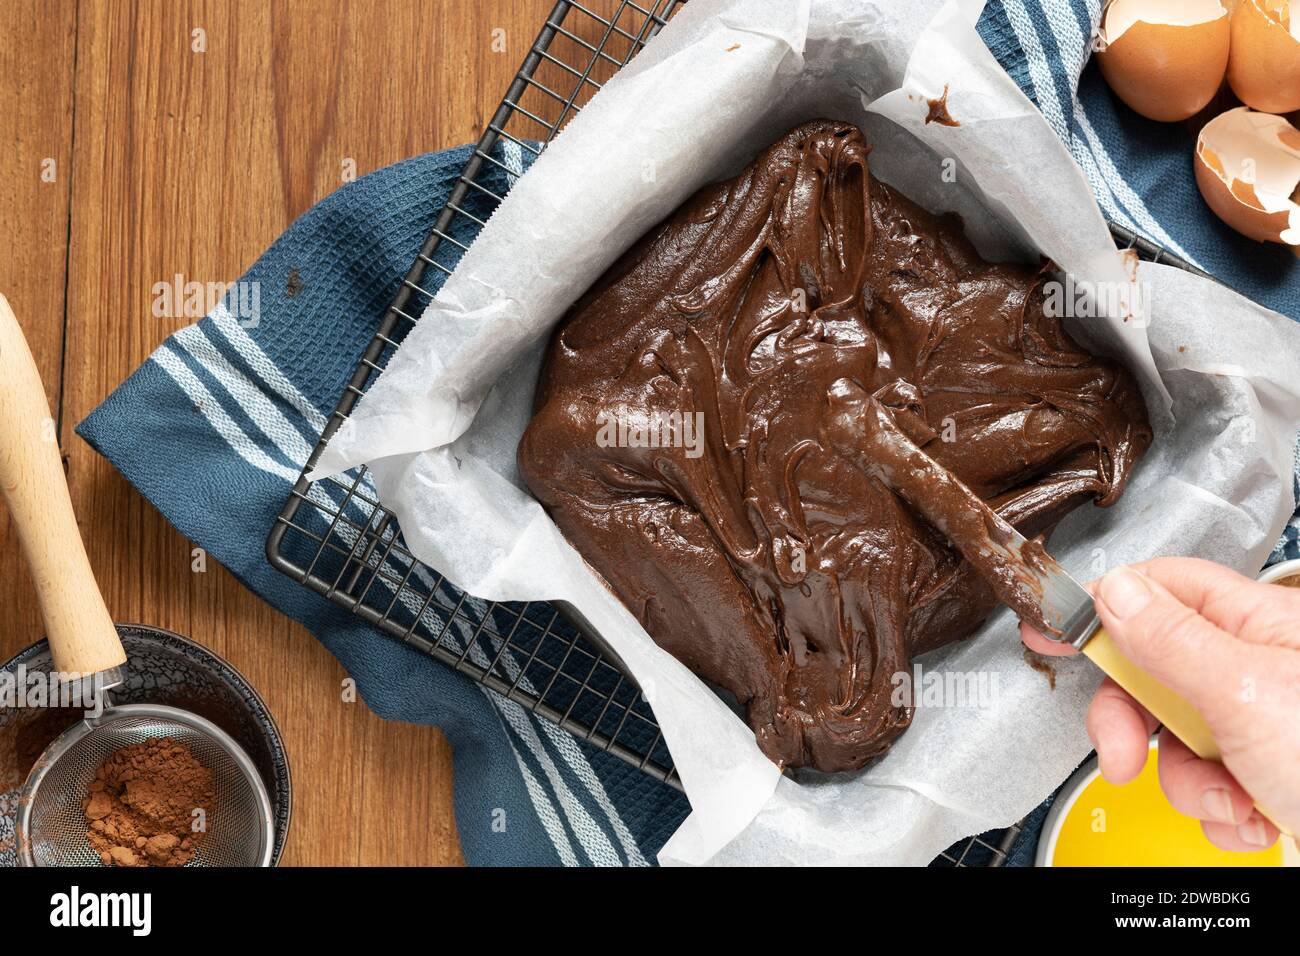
(440, 426)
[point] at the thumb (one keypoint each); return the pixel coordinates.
(1173, 643)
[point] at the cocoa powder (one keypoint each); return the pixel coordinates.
(140, 809)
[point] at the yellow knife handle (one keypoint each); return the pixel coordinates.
(1184, 720)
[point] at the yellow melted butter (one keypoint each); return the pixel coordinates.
(1134, 825)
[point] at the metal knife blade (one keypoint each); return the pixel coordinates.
(1022, 574)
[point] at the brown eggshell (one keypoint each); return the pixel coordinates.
(1236, 201)
(1167, 72)
(1264, 65)
(1241, 212)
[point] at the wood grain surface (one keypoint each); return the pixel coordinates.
(138, 148)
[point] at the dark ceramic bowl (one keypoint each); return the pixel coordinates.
(162, 668)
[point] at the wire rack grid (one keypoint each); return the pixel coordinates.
(334, 537)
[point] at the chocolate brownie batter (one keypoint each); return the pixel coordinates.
(762, 559)
(866, 434)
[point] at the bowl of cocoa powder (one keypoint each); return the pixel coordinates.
(139, 806)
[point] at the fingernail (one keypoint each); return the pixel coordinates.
(1217, 805)
(1125, 592)
(1253, 833)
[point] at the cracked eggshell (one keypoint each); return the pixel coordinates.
(1264, 67)
(1165, 58)
(1248, 169)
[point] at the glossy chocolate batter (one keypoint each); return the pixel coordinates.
(865, 433)
(752, 551)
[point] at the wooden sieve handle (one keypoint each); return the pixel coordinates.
(82, 637)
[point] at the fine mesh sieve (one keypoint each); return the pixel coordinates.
(51, 824)
(88, 656)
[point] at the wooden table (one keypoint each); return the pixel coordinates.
(145, 139)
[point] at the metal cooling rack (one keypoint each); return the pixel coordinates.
(334, 537)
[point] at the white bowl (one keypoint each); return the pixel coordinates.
(1283, 569)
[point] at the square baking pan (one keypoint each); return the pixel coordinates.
(334, 537)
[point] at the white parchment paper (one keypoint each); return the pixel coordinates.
(440, 426)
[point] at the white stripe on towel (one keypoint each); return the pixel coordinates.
(1100, 187)
(1040, 74)
(270, 420)
(594, 841)
(1147, 223)
(221, 422)
(573, 757)
(1069, 38)
(210, 407)
(266, 370)
(513, 155)
(577, 761)
(568, 748)
(260, 409)
(545, 812)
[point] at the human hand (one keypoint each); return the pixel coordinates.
(1231, 647)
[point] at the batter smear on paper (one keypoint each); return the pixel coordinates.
(675, 440)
